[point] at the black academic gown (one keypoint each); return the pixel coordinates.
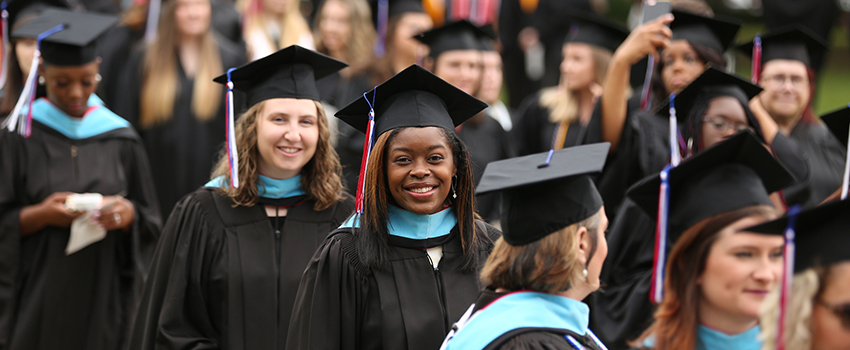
(215, 282)
(487, 142)
(534, 133)
(339, 91)
(825, 156)
(183, 150)
(342, 304)
(84, 300)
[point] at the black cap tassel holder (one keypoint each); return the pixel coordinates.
(4, 26)
(14, 121)
(232, 153)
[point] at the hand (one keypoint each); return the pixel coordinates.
(52, 211)
(118, 215)
(646, 39)
(528, 37)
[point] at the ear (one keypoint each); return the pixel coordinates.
(584, 245)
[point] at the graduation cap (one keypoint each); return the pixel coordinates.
(537, 201)
(288, 73)
(714, 33)
(733, 174)
(591, 28)
(714, 82)
(458, 35)
(838, 121)
(486, 41)
(791, 43)
(414, 97)
(73, 41)
(400, 7)
(822, 236)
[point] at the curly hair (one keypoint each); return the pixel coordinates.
(798, 316)
(373, 247)
(322, 175)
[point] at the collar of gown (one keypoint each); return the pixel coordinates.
(405, 224)
(96, 120)
(709, 339)
(270, 188)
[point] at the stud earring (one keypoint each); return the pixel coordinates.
(98, 77)
(40, 80)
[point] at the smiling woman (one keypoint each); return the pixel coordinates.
(405, 267)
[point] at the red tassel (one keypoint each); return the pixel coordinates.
(364, 163)
(756, 59)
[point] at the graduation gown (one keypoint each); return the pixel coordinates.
(523, 320)
(216, 282)
(184, 148)
(487, 142)
(535, 133)
(49, 300)
(342, 304)
(825, 156)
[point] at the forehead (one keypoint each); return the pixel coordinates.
(290, 106)
(733, 236)
(782, 66)
(460, 55)
(577, 48)
(416, 137)
(726, 104)
(678, 47)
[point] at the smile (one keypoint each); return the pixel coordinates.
(289, 151)
(422, 189)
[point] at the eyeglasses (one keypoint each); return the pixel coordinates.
(722, 125)
(779, 80)
(842, 311)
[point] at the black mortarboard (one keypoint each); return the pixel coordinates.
(713, 82)
(19, 8)
(486, 41)
(714, 33)
(733, 174)
(594, 29)
(398, 7)
(791, 43)
(459, 35)
(288, 73)
(74, 45)
(838, 121)
(821, 234)
(413, 97)
(539, 200)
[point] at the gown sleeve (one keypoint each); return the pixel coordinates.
(791, 156)
(330, 304)
(10, 229)
(180, 297)
(148, 221)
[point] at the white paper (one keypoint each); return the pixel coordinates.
(83, 233)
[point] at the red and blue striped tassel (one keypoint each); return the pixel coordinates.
(232, 154)
(788, 275)
(756, 59)
(368, 142)
(659, 261)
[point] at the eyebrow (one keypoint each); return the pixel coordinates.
(405, 149)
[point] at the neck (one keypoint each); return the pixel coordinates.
(585, 105)
(190, 51)
(579, 292)
(787, 124)
(724, 322)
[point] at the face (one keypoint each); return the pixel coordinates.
(409, 25)
(461, 68)
(828, 332)
(741, 268)
(24, 49)
(594, 268)
(491, 77)
(578, 70)
(287, 136)
(335, 27)
(275, 7)
(193, 17)
(420, 167)
(681, 66)
(786, 89)
(725, 117)
(69, 88)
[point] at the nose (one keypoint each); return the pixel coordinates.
(291, 133)
(420, 169)
(767, 271)
(75, 91)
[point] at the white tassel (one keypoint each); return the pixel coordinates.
(14, 119)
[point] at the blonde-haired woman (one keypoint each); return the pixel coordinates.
(818, 313)
(171, 99)
(561, 115)
(227, 268)
(548, 259)
(270, 25)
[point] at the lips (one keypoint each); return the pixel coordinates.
(420, 190)
(289, 151)
(757, 292)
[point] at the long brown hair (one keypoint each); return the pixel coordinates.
(322, 175)
(160, 84)
(373, 246)
(292, 23)
(358, 53)
(676, 318)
